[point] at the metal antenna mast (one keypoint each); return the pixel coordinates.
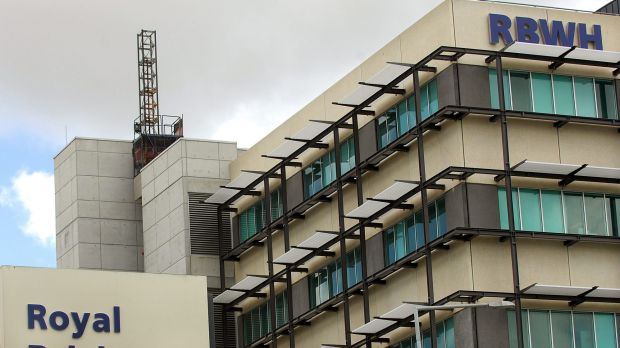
(153, 132)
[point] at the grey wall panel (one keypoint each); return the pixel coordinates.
(294, 190)
(473, 85)
(240, 338)
(456, 208)
(492, 328)
(447, 86)
(301, 303)
(235, 230)
(464, 329)
(483, 206)
(374, 253)
(618, 94)
(368, 140)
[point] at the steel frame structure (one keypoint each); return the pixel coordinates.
(433, 123)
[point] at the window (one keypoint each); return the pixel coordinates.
(445, 337)
(407, 236)
(257, 322)
(562, 212)
(327, 281)
(322, 172)
(564, 329)
(402, 117)
(562, 95)
(251, 221)
(276, 204)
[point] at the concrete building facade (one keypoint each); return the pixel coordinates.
(387, 196)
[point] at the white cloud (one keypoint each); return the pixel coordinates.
(5, 197)
(34, 193)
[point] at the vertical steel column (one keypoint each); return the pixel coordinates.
(360, 200)
(424, 194)
(343, 244)
(272, 290)
(222, 270)
(508, 185)
(287, 247)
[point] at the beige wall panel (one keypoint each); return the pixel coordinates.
(338, 92)
(543, 262)
(254, 262)
(452, 270)
(482, 143)
(155, 310)
(416, 42)
(609, 25)
(581, 144)
(328, 328)
(594, 264)
(492, 267)
(534, 141)
(443, 149)
(402, 286)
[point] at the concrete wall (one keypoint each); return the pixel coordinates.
(98, 224)
(186, 166)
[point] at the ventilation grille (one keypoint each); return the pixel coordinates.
(216, 325)
(204, 236)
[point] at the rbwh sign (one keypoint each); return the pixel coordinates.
(556, 33)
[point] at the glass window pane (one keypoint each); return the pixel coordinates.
(521, 91)
(432, 221)
(595, 214)
(411, 110)
(605, 330)
(344, 157)
(419, 229)
(530, 209)
(562, 329)
(573, 206)
(450, 340)
(390, 253)
(540, 329)
(441, 335)
(399, 232)
(553, 215)
(403, 118)
(316, 177)
(433, 97)
(606, 99)
(424, 106)
(584, 92)
(308, 182)
(615, 216)
(392, 125)
(323, 286)
(382, 132)
(411, 235)
(503, 208)
(494, 92)
(512, 329)
(351, 278)
(584, 330)
(358, 266)
(564, 95)
(543, 96)
(442, 226)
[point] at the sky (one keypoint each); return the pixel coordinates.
(234, 69)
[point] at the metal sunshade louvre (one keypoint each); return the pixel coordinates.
(396, 191)
(366, 210)
(555, 290)
(248, 283)
(222, 195)
(360, 95)
(388, 74)
(311, 131)
(605, 292)
(374, 326)
(536, 49)
(292, 256)
(600, 172)
(594, 55)
(546, 168)
(401, 312)
(243, 180)
(287, 148)
(317, 240)
(227, 296)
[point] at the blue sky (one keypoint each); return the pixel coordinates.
(68, 67)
